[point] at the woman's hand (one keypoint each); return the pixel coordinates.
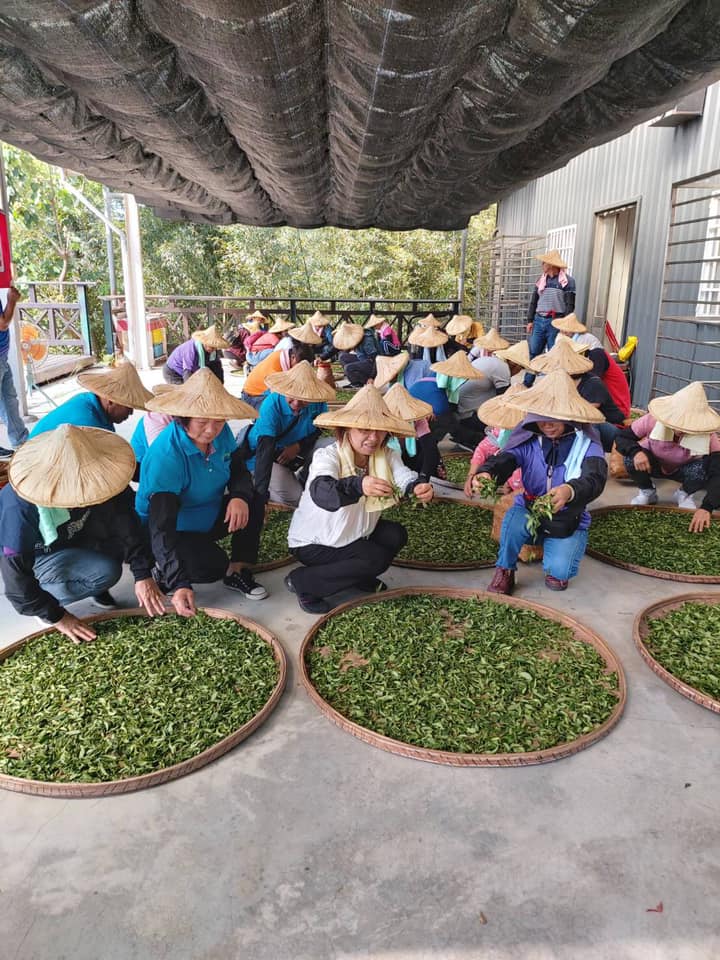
(375, 487)
(469, 489)
(237, 514)
(184, 602)
(477, 478)
(700, 521)
(641, 462)
(561, 496)
(78, 631)
(288, 454)
(424, 492)
(150, 597)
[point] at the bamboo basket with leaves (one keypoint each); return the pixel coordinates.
(446, 534)
(679, 639)
(150, 700)
(274, 551)
(655, 541)
(480, 680)
(456, 468)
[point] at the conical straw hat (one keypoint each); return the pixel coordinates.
(366, 411)
(569, 324)
(458, 325)
(305, 334)
(348, 336)
(458, 366)
(578, 346)
(256, 315)
(300, 383)
(491, 341)
(319, 319)
(686, 411)
(160, 389)
(72, 467)
(120, 384)
(202, 395)
(211, 338)
(280, 326)
(553, 258)
(374, 321)
(427, 337)
(496, 412)
(430, 321)
(402, 404)
(518, 353)
(556, 397)
(389, 367)
(561, 357)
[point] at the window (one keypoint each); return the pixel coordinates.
(708, 304)
(563, 239)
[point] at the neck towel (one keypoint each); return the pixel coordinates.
(562, 280)
(50, 519)
(451, 385)
(378, 466)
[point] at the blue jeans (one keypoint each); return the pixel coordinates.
(561, 555)
(9, 411)
(543, 336)
(76, 573)
(608, 432)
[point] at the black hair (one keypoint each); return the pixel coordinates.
(302, 351)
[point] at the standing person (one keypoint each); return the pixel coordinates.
(282, 439)
(109, 398)
(553, 296)
(203, 349)
(336, 532)
(9, 409)
(557, 456)
(195, 490)
(67, 524)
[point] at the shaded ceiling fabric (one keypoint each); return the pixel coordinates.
(326, 112)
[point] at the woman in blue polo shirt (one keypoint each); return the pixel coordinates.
(195, 490)
(283, 438)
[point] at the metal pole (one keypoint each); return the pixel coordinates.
(15, 354)
(135, 288)
(109, 244)
(461, 271)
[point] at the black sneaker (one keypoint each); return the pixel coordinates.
(289, 584)
(5, 454)
(246, 584)
(307, 602)
(105, 600)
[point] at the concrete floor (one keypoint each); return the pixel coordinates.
(306, 844)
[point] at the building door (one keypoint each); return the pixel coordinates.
(610, 278)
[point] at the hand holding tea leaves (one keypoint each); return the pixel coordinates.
(375, 487)
(75, 629)
(540, 509)
(423, 492)
(486, 487)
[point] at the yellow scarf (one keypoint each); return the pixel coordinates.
(378, 466)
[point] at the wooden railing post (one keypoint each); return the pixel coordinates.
(85, 332)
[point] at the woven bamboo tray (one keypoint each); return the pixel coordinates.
(69, 791)
(636, 567)
(444, 565)
(457, 455)
(470, 759)
(640, 632)
(281, 561)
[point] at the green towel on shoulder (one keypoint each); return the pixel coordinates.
(50, 519)
(451, 385)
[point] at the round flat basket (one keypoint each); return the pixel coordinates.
(435, 646)
(641, 633)
(274, 551)
(664, 530)
(457, 532)
(456, 466)
(272, 681)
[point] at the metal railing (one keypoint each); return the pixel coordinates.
(506, 272)
(184, 314)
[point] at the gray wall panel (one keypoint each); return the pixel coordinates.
(642, 165)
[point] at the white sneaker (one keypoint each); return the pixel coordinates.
(644, 498)
(684, 500)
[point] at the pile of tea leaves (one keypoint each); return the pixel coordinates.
(468, 676)
(686, 641)
(146, 694)
(456, 467)
(658, 540)
(273, 539)
(445, 532)
(343, 395)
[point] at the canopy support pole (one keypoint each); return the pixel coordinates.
(135, 288)
(15, 355)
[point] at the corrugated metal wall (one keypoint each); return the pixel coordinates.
(643, 165)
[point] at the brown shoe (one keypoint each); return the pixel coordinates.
(502, 582)
(552, 583)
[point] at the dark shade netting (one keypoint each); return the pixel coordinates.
(416, 113)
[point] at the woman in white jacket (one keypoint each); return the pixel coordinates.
(337, 532)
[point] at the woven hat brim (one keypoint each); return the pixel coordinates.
(204, 397)
(350, 419)
(212, 343)
(496, 412)
(317, 392)
(453, 368)
(569, 324)
(403, 405)
(281, 326)
(667, 411)
(551, 257)
(373, 322)
(518, 353)
(135, 396)
(305, 334)
(44, 472)
(344, 339)
(458, 326)
(427, 337)
(556, 397)
(491, 341)
(574, 365)
(388, 368)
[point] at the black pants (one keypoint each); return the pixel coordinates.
(469, 431)
(204, 560)
(328, 570)
(691, 476)
(357, 371)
